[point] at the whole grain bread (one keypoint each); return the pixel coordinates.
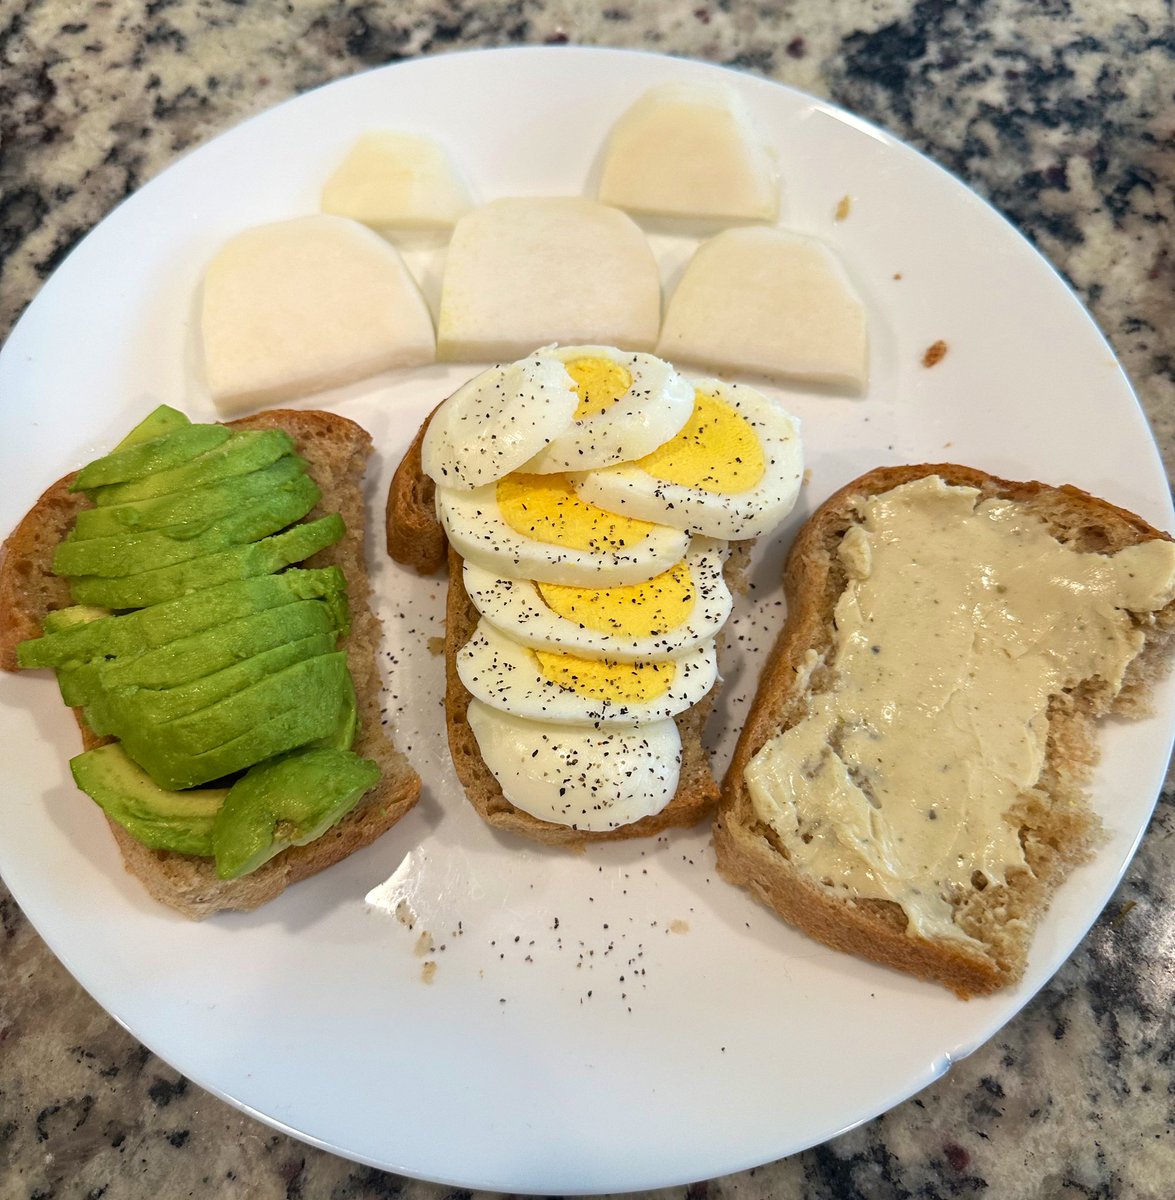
(1058, 827)
(336, 451)
(416, 538)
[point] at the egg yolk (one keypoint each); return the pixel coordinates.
(616, 681)
(599, 383)
(717, 451)
(545, 509)
(646, 609)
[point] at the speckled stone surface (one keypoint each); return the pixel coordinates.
(1061, 112)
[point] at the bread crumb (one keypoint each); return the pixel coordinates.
(806, 478)
(897, 274)
(424, 944)
(935, 354)
(679, 926)
(844, 207)
(405, 915)
(436, 646)
(428, 971)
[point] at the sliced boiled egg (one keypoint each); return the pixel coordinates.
(629, 403)
(536, 527)
(732, 472)
(769, 302)
(589, 779)
(497, 421)
(666, 615)
(542, 685)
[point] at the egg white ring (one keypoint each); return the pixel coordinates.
(491, 425)
(589, 779)
(476, 530)
(505, 675)
(655, 408)
(630, 490)
(517, 609)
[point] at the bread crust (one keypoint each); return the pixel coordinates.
(336, 450)
(413, 534)
(1059, 829)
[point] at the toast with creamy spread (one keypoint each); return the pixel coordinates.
(909, 785)
(336, 451)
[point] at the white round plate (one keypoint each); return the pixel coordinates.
(613, 1020)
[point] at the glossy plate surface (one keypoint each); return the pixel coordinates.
(619, 1019)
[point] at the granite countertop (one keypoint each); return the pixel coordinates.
(1060, 113)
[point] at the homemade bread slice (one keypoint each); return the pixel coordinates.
(336, 451)
(416, 538)
(415, 535)
(1058, 830)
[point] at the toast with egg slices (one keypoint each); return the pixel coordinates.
(829, 796)
(422, 522)
(336, 451)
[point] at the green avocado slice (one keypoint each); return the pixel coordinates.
(312, 683)
(188, 512)
(191, 658)
(289, 801)
(132, 553)
(239, 562)
(68, 642)
(154, 706)
(245, 450)
(162, 820)
(297, 724)
(139, 459)
(343, 735)
(104, 687)
(67, 618)
(155, 424)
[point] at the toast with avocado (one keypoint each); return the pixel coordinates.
(909, 786)
(416, 538)
(202, 594)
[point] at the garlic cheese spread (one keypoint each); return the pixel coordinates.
(960, 620)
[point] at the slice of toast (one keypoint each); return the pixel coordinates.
(1058, 830)
(336, 451)
(416, 538)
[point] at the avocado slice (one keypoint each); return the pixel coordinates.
(189, 512)
(155, 424)
(239, 562)
(72, 642)
(302, 717)
(169, 450)
(132, 553)
(105, 687)
(190, 658)
(312, 683)
(245, 450)
(160, 819)
(154, 706)
(342, 737)
(67, 618)
(288, 801)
